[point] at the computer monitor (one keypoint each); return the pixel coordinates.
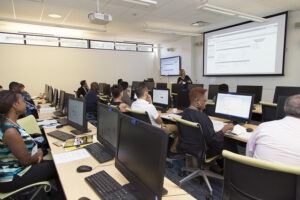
(141, 156)
(76, 115)
(135, 84)
(55, 98)
(133, 96)
(251, 89)
(50, 94)
(107, 128)
(46, 91)
(161, 98)
(161, 85)
(285, 91)
(61, 102)
(66, 102)
(101, 85)
(150, 85)
(212, 91)
(235, 107)
(106, 89)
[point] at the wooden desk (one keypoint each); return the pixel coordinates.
(74, 184)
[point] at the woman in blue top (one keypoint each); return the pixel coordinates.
(21, 162)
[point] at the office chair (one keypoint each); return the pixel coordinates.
(280, 107)
(39, 185)
(248, 178)
(141, 115)
(199, 164)
(268, 111)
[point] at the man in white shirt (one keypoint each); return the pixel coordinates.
(279, 141)
(144, 103)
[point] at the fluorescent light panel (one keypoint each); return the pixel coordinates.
(142, 2)
(226, 11)
(172, 32)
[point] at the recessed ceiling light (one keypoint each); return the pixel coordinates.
(56, 16)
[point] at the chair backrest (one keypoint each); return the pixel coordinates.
(268, 111)
(280, 107)
(188, 131)
(141, 115)
(248, 178)
(29, 124)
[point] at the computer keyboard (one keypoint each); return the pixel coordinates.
(99, 152)
(61, 135)
(107, 187)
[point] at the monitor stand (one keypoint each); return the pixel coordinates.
(130, 188)
(78, 132)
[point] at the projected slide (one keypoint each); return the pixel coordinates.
(247, 49)
(170, 66)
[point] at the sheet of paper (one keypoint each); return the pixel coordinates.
(70, 156)
(47, 122)
(218, 125)
(47, 110)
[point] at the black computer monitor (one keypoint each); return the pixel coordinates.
(251, 89)
(135, 84)
(212, 91)
(76, 115)
(107, 128)
(235, 107)
(61, 102)
(106, 89)
(161, 98)
(161, 85)
(101, 86)
(285, 91)
(46, 91)
(141, 156)
(66, 102)
(150, 85)
(50, 94)
(55, 98)
(133, 96)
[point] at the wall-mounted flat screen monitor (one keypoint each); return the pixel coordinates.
(170, 66)
(251, 48)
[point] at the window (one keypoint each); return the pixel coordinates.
(64, 42)
(11, 38)
(39, 40)
(102, 45)
(145, 47)
(125, 46)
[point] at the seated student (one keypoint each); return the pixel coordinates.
(25, 94)
(1, 88)
(21, 162)
(194, 113)
(222, 88)
(144, 103)
(91, 98)
(278, 141)
(31, 109)
(117, 94)
(84, 88)
(126, 98)
(120, 81)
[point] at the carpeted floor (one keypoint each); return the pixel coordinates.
(196, 187)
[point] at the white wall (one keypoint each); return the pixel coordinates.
(63, 68)
(292, 65)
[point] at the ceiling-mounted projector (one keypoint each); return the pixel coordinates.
(99, 18)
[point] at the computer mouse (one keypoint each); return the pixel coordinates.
(249, 129)
(84, 168)
(83, 198)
